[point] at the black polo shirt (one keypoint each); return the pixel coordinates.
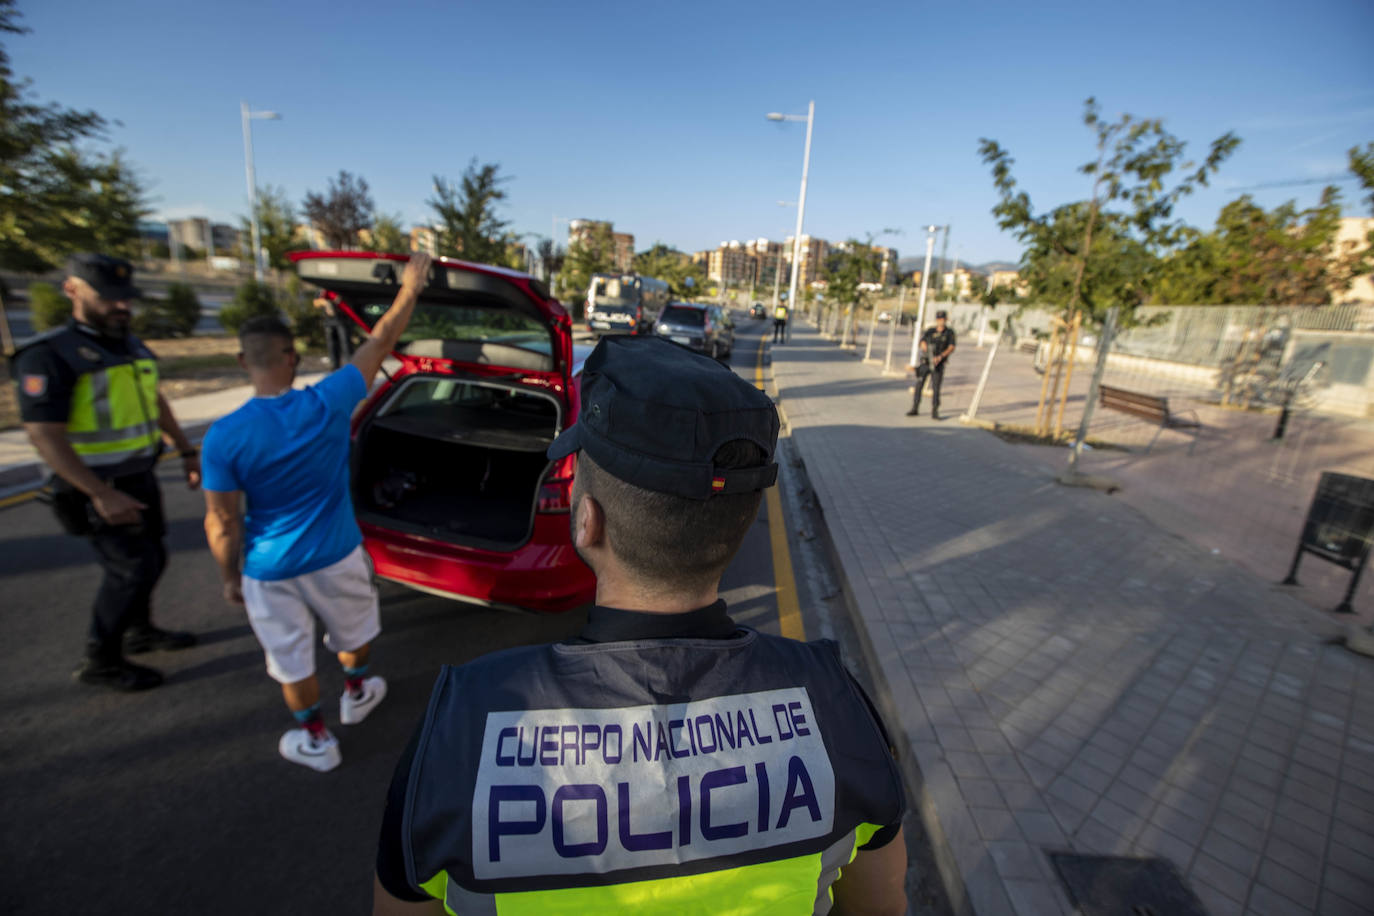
(604, 624)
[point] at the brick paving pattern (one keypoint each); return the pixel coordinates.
(1067, 675)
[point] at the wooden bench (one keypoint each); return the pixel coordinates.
(1148, 407)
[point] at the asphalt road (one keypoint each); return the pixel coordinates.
(175, 800)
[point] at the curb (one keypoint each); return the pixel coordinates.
(950, 876)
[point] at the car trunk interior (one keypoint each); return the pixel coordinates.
(455, 459)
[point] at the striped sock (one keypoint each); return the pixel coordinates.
(311, 719)
(353, 679)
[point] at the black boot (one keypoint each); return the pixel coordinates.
(117, 674)
(138, 640)
(915, 410)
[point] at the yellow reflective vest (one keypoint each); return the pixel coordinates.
(112, 422)
(780, 313)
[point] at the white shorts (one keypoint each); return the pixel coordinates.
(283, 611)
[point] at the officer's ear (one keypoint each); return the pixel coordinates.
(590, 529)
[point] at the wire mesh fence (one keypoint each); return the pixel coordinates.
(1217, 423)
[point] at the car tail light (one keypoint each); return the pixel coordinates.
(555, 490)
(639, 316)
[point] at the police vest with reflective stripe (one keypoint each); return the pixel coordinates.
(780, 313)
(666, 775)
(112, 423)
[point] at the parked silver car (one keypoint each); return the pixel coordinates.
(705, 328)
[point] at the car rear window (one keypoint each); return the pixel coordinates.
(677, 314)
(446, 321)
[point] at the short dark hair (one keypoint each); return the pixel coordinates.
(671, 540)
(260, 339)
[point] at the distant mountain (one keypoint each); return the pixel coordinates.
(907, 265)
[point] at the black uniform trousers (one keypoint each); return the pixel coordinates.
(336, 339)
(132, 558)
(937, 377)
(779, 330)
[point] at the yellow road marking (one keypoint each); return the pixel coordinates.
(16, 499)
(784, 581)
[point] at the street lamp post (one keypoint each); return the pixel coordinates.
(249, 115)
(777, 270)
(801, 199)
(921, 307)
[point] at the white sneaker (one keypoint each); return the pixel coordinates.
(353, 710)
(320, 754)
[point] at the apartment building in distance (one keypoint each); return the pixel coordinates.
(731, 265)
(770, 262)
(811, 257)
(623, 255)
(202, 235)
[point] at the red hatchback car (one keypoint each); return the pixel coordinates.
(450, 483)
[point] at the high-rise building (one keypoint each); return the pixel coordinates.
(731, 265)
(811, 258)
(770, 264)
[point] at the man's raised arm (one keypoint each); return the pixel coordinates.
(387, 331)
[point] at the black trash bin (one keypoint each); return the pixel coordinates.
(1339, 528)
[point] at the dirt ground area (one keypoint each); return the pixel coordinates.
(188, 366)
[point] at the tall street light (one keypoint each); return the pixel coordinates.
(921, 308)
(809, 118)
(249, 116)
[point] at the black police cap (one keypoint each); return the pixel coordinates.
(942, 314)
(112, 278)
(654, 414)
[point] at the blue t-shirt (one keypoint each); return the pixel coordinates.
(289, 456)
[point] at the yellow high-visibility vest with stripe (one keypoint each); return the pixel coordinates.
(780, 313)
(114, 414)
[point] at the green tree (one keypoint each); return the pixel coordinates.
(277, 224)
(48, 308)
(672, 267)
(847, 269)
(469, 226)
(1362, 164)
(341, 212)
(307, 322)
(592, 253)
(251, 300)
(58, 197)
(1063, 262)
(1254, 256)
(175, 316)
(387, 235)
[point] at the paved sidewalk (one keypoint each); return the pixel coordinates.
(1066, 675)
(20, 467)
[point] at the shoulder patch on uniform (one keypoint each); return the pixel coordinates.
(89, 354)
(35, 386)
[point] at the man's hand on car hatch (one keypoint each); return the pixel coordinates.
(417, 272)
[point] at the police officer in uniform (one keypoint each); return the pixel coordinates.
(90, 405)
(780, 324)
(667, 760)
(937, 344)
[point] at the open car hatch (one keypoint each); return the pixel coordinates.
(469, 314)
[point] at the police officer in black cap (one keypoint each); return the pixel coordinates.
(937, 344)
(667, 760)
(90, 404)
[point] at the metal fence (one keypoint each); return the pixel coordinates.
(1217, 423)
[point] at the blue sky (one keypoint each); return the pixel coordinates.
(651, 114)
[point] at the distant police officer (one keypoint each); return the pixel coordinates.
(937, 344)
(667, 760)
(780, 324)
(90, 404)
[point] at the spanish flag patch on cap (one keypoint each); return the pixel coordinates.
(717, 484)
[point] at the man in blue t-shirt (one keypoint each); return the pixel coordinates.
(280, 523)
